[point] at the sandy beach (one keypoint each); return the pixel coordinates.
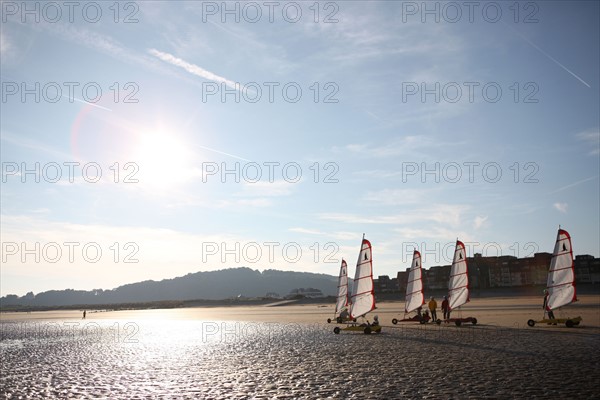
(290, 351)
(495, 311)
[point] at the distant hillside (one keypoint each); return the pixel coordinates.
(212, 285)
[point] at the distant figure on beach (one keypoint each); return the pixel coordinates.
(545, 306)
(432, 308)
(446, 308)
(420, 312)
(83, 314)
(375, 321)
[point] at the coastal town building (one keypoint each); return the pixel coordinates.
(498, 272)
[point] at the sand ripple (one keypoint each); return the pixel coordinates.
(227, 360)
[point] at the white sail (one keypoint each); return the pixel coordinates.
(458, 287)
(342, 295)
(414, 286)
(561, 275)
(363, 297)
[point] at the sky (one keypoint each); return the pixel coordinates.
(149, 140)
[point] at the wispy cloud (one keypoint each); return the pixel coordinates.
(267, 189)
(591, 138)
(195, 69)
(258, 202)
(338, 235)
(434, 234)
(184, 200)
(95, 41)
(25, 142)
(369, 31)
(394, 197)
(447, 214)
(307, 231)
(405, 145)
(562, 207)
(153, 248)
(5, 45)
(162, 253)
(479, 222)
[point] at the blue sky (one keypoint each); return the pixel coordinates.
(528, 158)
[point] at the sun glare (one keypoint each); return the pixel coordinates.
(163, 160)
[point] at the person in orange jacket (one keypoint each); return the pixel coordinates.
(432, 308)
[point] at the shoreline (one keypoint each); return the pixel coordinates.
(490, 312)
(389, 297)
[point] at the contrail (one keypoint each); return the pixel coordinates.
(548, 55)
(222, 152)
(573, 184)
(85, 102)
(195, 69)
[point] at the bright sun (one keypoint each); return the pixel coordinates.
(163, 160)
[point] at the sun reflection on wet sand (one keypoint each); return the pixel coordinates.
(209, 353)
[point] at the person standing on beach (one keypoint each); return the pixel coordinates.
(446, 308)
(83, 314)
(432, 308)
(545, 306)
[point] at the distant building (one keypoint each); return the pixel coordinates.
(505, 271)
(402, 280)
(587, 269)
(436, 277)
(383, 284)
(510, 271)
(305, 292)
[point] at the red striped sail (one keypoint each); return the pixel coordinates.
(561, 275)
(414, 286)
(342, 296)
(458, 286)
(363, 296)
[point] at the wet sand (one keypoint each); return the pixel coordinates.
(291, 352)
